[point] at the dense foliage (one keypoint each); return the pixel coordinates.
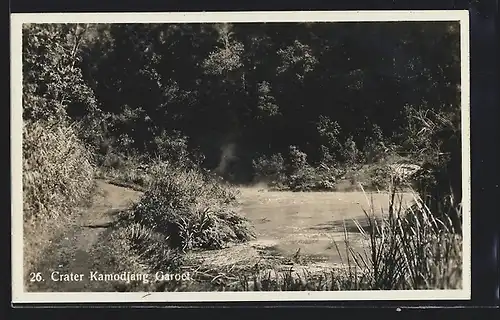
(237, 90)
(239, 98)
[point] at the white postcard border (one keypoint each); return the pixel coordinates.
(17, 19)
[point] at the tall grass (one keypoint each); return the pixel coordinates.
(57, 170)
(58, 174)
(406, 248)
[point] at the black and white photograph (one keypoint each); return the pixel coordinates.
(240, 156)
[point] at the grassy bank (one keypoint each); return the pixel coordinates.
(58, 178)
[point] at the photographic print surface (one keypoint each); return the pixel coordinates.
(240, 156)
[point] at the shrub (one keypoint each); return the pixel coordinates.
(129, 172)
(57, 170)
(191, 209)
(295, 174)
(376, 147)
(329, 132)
(393, 171)
(379, 176)
(301, 176)
(173, 147)
(309, 178)
(350, 152)
(270, 169)
(297, 160)
(302, 179)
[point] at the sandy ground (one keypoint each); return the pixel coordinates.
(288, 221)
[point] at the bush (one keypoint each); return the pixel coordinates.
(128, 167)
(269, 169)
(379, 176)
(295, 174)
(191, 209)
(129, 172)
(58, 170)
(350, 152)
(311, 179)
(393, 171)
(173, 147)
(301, 176)
(297, 160)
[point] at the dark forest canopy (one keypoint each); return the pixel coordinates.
(238, 91)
